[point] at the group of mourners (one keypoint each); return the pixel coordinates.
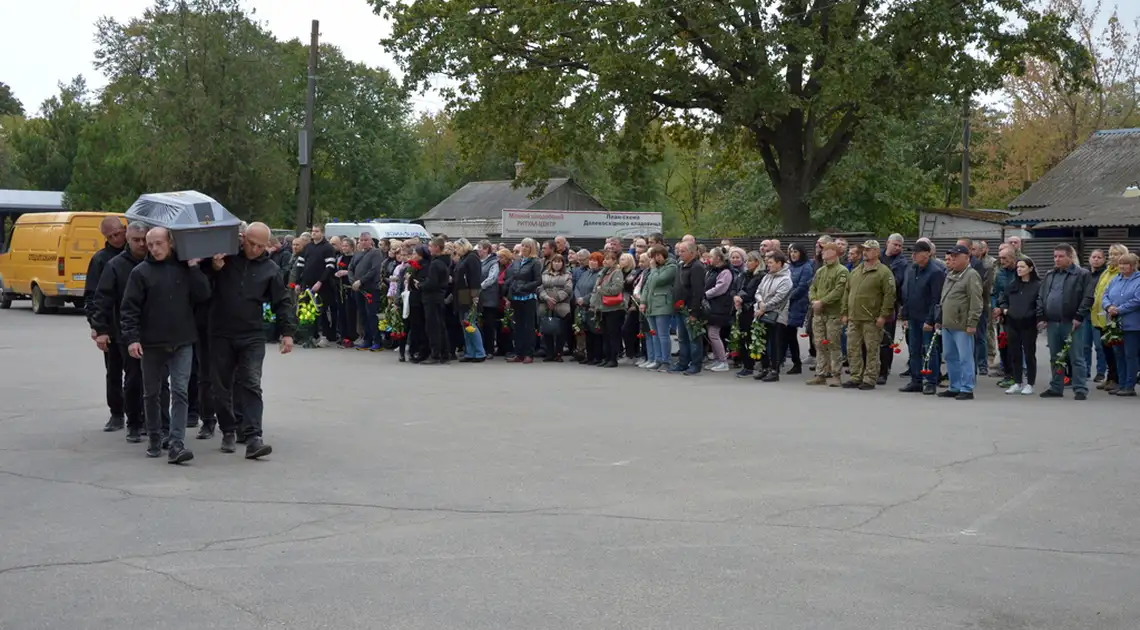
(961, 315)
(183, 340)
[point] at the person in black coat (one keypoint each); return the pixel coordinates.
(1019, 305)
(317, 263)
(433, 288)
(116, 235)
(159, 328)
(753, 273)
(523, 279)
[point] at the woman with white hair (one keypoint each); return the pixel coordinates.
(524, 277)
(468, 283)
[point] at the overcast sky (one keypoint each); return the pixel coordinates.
(48, 41)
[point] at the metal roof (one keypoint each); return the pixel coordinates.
(31, 200)
(486, 200)
(1105, 165)
(1084, 212)
(977, 214)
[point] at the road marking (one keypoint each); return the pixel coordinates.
(1017, 501)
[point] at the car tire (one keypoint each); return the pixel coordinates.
(5, 301)
(39, 302)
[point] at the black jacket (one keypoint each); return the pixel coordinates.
(317, 261)
(433, 288)
(750, 282)
(1019, 301)
(283, 258)
(158, 303)
(922, 292)
(94, 275)
(105, 305)
(468, 272)
(524, 279)
(690, 285)
(241, 286)
(1077, 293)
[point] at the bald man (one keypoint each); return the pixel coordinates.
(242, 283)
(115, 238)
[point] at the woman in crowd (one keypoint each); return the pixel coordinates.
(744, 301)
(346, 323)
(396, 289)
(415, 275)
(772, 301)
(505, 344)
(718, 286)
(657, 304)
(433, 289)
(802, 271)
(1018, 304)
(489, 297)
(609, 301)
(645, 265)
(468, 282)
(554, 306)
(524, 277)
(1099, 318)
(736, 260)
(583, 294)
(1098, 264)
(631, 319)
(1121, 302)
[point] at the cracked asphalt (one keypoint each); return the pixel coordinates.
(556, 496)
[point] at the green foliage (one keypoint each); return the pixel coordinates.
(545, 80)
(9, 104)
(45, 147)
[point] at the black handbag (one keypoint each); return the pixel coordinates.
(770, 317)
(550, 326)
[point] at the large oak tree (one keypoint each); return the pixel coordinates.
(801, 77)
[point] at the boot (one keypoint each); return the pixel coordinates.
(179, 454)
(834, 382)
(133, 435)
(154, 445)
(114, 423)
(255, 448)
(817, 380)
(229, 442)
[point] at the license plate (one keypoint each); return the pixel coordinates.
(79, 277)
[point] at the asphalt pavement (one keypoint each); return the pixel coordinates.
(557, 496)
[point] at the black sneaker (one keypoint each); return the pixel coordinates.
(911, 387)
(906, 373)
(255, 448)
(206, 432)
(114, 423)
(154, 445)
(229, 443)
(165, 440)
(241, 438)
(796, 369)
(851, 385)
(867, 387)
(1080, 396)
(744, 374)
(191, 422)
(1052, 394)
(948, 394)
(964, 396)
(1099, 378)
(178, 454)
(929, 389)
(882, 380)
(133, 435)
(771, 377)
(760, 374)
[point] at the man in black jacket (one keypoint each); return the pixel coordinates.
(116, 235)
(689, 289)
(158, 326)
(317, 264)
(365, 274)
(432, 290)
(921, 293)
(105, 319)
(242, 283)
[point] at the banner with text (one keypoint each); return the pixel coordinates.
(578, 223)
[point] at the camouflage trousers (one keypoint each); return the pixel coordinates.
(829, 356)
(863, 340)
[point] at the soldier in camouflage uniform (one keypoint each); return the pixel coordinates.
(868, 302)
(826, 296)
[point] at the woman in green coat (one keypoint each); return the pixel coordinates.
(610, 300)
(657, 304)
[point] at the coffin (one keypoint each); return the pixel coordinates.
(201, 226)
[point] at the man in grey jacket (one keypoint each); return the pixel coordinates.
(365, 273)
(1063, 304)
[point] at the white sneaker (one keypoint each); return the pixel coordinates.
(1027, 390)
(652, 365)
(1014, 389)
(642, 363)
(719, 366)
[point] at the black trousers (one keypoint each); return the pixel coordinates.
(810, 333)
(346, 323)
(593, 346)
(113, 362)
(1021, 343)
(417, 331)
(886, 352)
(327, 316)
(611, 334)
(436, 329)
(237, 367)
(491, 318)
(792, 342)
(744, 321)
(451, 316)
(526, 312)
(631, 327)
(774, 340)
(132, 388)
(555, 343)
(201, 394)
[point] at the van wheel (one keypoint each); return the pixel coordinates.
(39, 306)
(5, 301)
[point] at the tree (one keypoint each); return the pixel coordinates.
(45, 147)
(9, 104)
(801, 77)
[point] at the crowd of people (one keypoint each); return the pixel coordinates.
(184, 341)
(962, 315)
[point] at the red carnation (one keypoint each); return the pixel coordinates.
(824, 342)
(342, 264)
(927, 372)
(898, 350)
(292, 285)
(641, 335)
(679, 304)
(416, 265)
(506, 329)
(1060, 370)
(653, 333)
(804, 335)
(466, 323)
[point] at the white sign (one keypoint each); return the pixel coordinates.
(579, 223)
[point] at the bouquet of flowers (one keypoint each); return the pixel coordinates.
(757, 344)
(1002, 340)
(1061, 359)
(391, 321)
(693, 324)
(508, 317)
(736, 337)
(580, 322)
(267, 315)
(926, 371)
(308, 308)
(471, 321)
(644, 328)
(1112, 335)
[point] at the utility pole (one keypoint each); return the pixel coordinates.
(305, 138)
(966, 152)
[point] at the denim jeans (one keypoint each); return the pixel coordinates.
(692, 351)
(960, 359)
(157, 362)
(473, 343)
(981, 354)
(370, 308)
(1058, 332)
(1128, 359)
(918, 341)
(1096, 346)
(237, 380)
(660, 324)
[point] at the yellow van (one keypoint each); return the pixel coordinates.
(47, 258)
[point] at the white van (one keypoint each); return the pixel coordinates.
(379, 230)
